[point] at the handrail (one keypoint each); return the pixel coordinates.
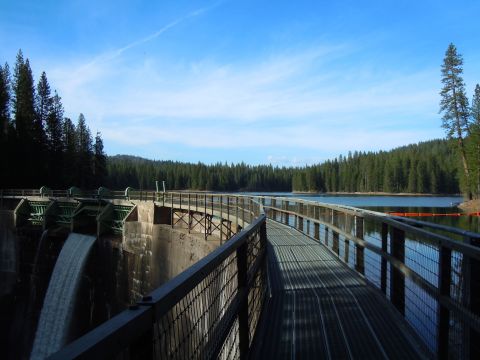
(430, 278)
(149, 328)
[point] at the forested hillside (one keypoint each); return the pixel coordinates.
(429, 167)
(38, 145)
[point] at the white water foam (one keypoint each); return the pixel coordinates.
(57, 309)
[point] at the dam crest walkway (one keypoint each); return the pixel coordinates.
(320, 308)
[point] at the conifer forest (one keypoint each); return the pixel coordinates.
(40, 146)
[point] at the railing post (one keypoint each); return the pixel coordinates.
(251, 209)
(189, 214)
(171, 212)
(359, 250)
(228, 218)
(397, 281)
(205, 216)
(243, 211)
(221, 219)
(335, 244)
(326, 236)
(316, 231)
(287, 215)
(472, 300)
(274, 212)
(383, 267)
(236, 213)
(444, 280)
(242, 266)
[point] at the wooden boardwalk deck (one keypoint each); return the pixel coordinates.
(319, 308)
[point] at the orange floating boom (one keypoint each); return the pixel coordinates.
(432, 214)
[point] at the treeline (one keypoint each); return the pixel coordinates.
(141, 174)
(429, 167)
(38, 145)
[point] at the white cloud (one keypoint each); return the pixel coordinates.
(302, 99)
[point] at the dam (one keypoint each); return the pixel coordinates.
(237, 276)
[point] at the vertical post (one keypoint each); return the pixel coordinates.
(308, 227)
(205, 215)
(243, 211)
(287, 215)
(228, 218)
(444, 276)
(316, 231)
(236, 213)
(221, 219)
(242, 266)
(335, 244)
(472, 296)
(189, 214)
(251, 210)
(383, 271)
(326, 236)
(359, 250)
(171, 204)
(274, 212)
(300, 223)
(397, 281)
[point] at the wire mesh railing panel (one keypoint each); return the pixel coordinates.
(423, 258)
(190, 329)
(430, 276)
(421, 312)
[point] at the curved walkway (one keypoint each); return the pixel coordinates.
(319, 308)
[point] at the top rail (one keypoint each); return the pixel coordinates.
(430, 272)
(210, 310)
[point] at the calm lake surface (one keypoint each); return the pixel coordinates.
(411, 204)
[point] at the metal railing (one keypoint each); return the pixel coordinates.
(211, 310)
(429, 272)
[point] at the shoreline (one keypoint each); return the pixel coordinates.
(361, 193)
(470, 206)
(374, 193)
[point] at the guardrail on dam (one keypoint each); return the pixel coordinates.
(430, 274)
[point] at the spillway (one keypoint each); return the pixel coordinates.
(56, 314)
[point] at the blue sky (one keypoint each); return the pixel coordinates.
(281, 82)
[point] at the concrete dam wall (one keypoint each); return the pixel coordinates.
(118, 271)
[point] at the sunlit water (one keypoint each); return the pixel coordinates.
(403, 204)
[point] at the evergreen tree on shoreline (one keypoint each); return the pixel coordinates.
(454, 106)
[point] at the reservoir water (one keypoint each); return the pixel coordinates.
(403, 204)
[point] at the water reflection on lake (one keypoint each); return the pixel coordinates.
(403, 204)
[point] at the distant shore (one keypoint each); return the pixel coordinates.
(470, 206)
(371, 193)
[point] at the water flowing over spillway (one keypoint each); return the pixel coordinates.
(56, 314)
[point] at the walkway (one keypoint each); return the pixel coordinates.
(319, 308)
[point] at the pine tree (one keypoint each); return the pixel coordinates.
(100, 161)
(69, 154)
(4, 100)
(475, 137)
(43, 101)
(454, 106)
(29, 155)
(4, 124)
(84, 153)
(55, 140)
